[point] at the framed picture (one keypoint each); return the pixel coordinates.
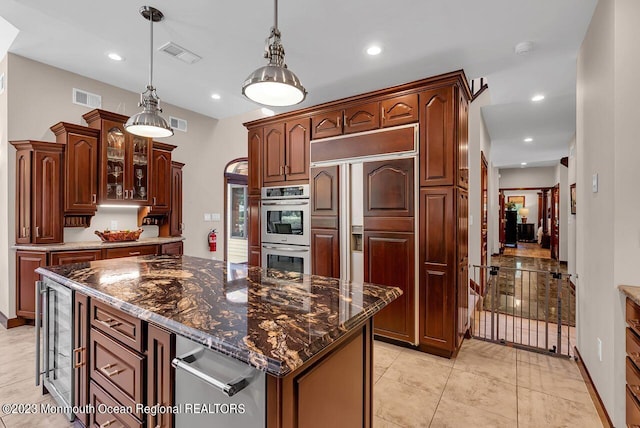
(572, 191)
(519, 202)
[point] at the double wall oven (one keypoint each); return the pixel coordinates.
(286, 228)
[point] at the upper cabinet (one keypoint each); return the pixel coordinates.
(437, 144)
(80, 171)
(161, 180)
(387, 112)
(255, 161)
(124, 163)
(285, 152)
(39, 192)
(175, 219)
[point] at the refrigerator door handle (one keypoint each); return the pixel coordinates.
(229, 389)
(38, 320)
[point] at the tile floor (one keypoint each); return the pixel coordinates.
(487, 385)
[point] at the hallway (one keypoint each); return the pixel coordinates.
(528, 249)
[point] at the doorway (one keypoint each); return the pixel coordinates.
(235, 210)
(484, 210)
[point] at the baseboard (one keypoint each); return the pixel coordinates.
(593, 392)
(11, 322)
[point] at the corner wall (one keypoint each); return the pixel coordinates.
(7, 292)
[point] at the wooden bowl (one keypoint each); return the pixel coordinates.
(119, 235)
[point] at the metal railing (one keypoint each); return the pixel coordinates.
(531, 309)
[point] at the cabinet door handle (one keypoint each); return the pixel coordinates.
(338, 121)
(126, 192)
(28, 232)
(79, 362)
(132, 193)
(94, 199)
(134, 253)
(287, 169)
(105, 370)
(24, 232)
(154, 200)
(37, 231)
(106, 424)
(181, 227)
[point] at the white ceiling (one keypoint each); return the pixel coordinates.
(325, 43)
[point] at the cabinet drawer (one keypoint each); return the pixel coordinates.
(633, 378)
(67, 257)
(633, 410)
(120, 326)
(365, 117)
(399, 110)
(633, 315)
(633, 347)
(140, 250)
(119, 371)
(102, 419)
(326, 124)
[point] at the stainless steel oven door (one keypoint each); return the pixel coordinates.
(286, 222)
(286, 258)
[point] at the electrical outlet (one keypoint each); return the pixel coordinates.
(599, 349)
(114, 225)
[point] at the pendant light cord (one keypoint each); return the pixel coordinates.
(151, 51)
(275, 15)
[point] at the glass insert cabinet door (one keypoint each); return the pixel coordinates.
(127, 166)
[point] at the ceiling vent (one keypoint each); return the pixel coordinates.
(180, 53)
(86, 99)
(178, 124)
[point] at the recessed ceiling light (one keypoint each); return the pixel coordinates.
(114, 56)
(523, 48)
(216, 96)
(267, 111)
(374, 50)
(537, 98)
(528, 140)
(523, 163)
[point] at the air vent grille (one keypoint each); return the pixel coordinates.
(86, 99)
(180, 53)
(178, 124)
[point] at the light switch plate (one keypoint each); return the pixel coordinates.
(114, 225)
(207, 217)
(594, 183)
(215, 216)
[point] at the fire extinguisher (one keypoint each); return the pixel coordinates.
(213, 239)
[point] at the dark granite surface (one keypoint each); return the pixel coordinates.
(273, 320)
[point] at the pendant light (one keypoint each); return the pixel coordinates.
(274, 84)
(149, 123)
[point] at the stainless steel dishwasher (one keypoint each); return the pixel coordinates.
(214, 390)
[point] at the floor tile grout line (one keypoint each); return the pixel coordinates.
(441, 395)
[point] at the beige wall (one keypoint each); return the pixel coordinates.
(607, 230)
(40, 96)
(571, 220)
(6, 291)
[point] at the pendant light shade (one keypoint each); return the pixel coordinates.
(149, 123)
(274, 84)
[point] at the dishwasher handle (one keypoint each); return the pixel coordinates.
(227, 388)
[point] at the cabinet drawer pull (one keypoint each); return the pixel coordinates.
(110, 323)
(338, 121)
(37, 231)
(105, 370)
(134, 253)
(94, 199)
(154, 200)
(79, 362)
(106, 424)
(634, 323)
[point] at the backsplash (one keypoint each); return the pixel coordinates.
(127, 219)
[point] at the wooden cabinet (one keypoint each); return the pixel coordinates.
(26, 264)
(81, 355)
(124, 163)
(327, 124)
(161, 180)
(255, 161)
(437, 133)
(172, 249)
(161, 349)
(633, 363)
(254, 237)
(137, 250)
(364, 117)
(175, 218)
(389, 189)
(39, 184)
(463, 140)
(80, 167)
(68, 257)
(285, 152)
(399, 110)
(325, 221)
(325, 252)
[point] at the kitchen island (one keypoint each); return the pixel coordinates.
(308, 338)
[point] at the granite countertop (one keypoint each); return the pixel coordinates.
(272, 320)
(95, 245)
(631, 291)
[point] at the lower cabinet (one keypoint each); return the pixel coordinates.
(26, 263)
(120, 360)
(325, 252)
(255, 252)
(172, 249)
(139, 250)
(67, 257)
